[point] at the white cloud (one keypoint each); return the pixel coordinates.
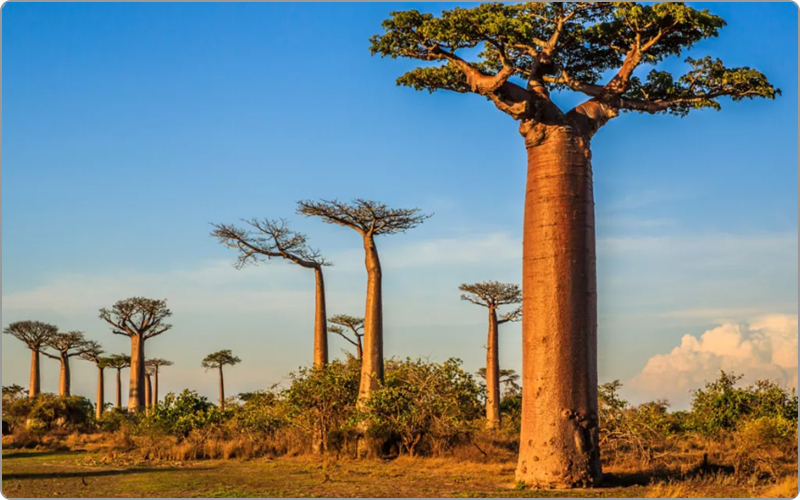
(766, 348)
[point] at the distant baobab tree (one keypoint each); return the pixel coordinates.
(217, 360)
(352, 323)
(527, 51)
(156, 364)
(274, 239)
(119, 362)
(492, 294)
(507, 377)
(148, 387)
(139, 319)
(34, 334)
(370, 219)
(101, 362)
(68, 345)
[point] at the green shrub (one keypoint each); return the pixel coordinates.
(48, 411)
(180, 415)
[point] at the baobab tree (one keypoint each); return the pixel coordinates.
(156, 364)
(491, 295)
(101, 362)
(68, 345)
(218, 360)
(148, 387)
(370, 219)
(139, 319)
(273, 239)
(354, 325)
(119, 362)
(34, 334)
(530, 50)
(508, 378)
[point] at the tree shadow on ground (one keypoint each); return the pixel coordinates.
(647, 477)
(29, 454)
(96, 473)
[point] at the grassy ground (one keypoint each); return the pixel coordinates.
(82, 474)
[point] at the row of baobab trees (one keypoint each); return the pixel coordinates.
(141, 318)
(45, 339)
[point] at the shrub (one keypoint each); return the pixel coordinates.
(48, 411)
(179, 415)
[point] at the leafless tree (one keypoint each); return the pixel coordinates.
(342, 323)
(34, 334)
(273, 239)
(370, 219)
(139, 319)
(68, 345)
(492, 294)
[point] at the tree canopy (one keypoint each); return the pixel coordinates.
(157, 363)
(119, 361)
(271, 238)
(137, 316)
(531, 49)
(71, 344)
(368, 217)
(493, 294)
(219, 359)
(33, 333)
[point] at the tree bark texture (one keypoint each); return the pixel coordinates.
(372, 356)
(136, 401)
(101, 388)
(64, 379)
(35, 386)
(320, 322)
(492, 374)
(559, 436)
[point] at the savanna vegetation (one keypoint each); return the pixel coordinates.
(551, 427)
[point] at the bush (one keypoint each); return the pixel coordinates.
(179, 415)
(46, 412)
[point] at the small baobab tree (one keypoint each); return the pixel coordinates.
(342, 323)
(217, 360)
(273, 239)
(139, 319)
(491, 295)
(530, 50)
(156, 364)
(68, 345)
(370, 219)
(119, 362)
(34, 334)
(101, 362)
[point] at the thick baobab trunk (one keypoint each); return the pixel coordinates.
(492, 374)
(372, 356)
(320, 322)
(221, 390)
(101, 390)
(559, 437)
(35, 386)
(148, 392)
(64, 381)
(118, 402)
(359, 348)
(136, 401)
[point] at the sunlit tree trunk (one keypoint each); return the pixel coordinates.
(64, 379)
(148, 392)
(136, 399)
(35, 386)
(221, 390)
(320, 322)
(118, 402)
(155, 386)
(559, 437)
(372, 356)
(492, 374)
(100, 393)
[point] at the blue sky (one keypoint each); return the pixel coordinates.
(128, 128)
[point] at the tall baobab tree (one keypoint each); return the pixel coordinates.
(139, 319)
(370, 219)
(119, 362)
(530, 50)
(34, 334)
(156, 364)
(217, 360)
(352, 323)
(507, 377)
(101, 362)
(491, 295)
(68, 345)
(273, 239)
